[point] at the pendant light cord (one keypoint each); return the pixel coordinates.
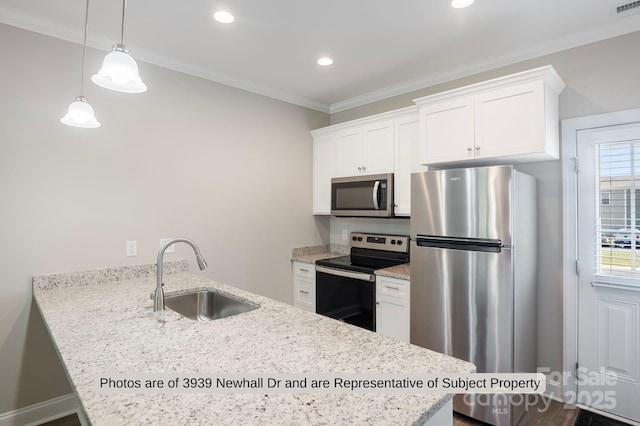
(84, 48)
(124, 6)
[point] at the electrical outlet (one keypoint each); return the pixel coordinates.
(132, 248)
(170, 249)
(345, 235)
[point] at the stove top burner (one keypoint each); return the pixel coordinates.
(370, 252)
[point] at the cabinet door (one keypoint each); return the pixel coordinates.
(447, 131)
(407, 159)
(393, 307)
(377, 149)
(510, 121)
(349, 149)
(392, 317)
(324, 168)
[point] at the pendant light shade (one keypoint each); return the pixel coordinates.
(80, 114)
(119, 70)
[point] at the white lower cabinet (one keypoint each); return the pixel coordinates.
(304, 286)
(393, 307)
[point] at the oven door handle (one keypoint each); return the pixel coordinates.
(347, 274)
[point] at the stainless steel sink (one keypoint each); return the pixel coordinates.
(206, 304)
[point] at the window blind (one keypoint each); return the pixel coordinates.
(617, 227)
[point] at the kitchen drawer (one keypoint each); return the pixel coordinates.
(305, 270)
(392, 287)
(305, 293)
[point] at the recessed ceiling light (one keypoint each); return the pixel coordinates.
(325, 61)
(459, 4)
(223, 17)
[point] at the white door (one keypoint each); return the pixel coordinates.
(608, 374)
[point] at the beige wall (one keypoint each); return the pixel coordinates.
(192, 158)
(601, 77)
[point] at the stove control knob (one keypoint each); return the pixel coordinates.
(359, 238)
(393, 242)
(399, 242)
(354, 238)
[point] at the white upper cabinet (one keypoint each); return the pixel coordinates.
(377, 147)
(505, 120)
(449, 128)
(384, 143)
(407, 145)
(324, 168)
(365, 149)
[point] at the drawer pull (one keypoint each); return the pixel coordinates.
(304, 292)
(304, 270)
(392, 287)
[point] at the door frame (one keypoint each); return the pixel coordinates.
(570, 270)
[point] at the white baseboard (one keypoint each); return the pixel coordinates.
(44, 412)
(554, 390)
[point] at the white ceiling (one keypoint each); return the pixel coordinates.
(381, 48)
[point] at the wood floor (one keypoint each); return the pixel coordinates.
(555, 414)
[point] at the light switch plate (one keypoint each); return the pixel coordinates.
(132, 248)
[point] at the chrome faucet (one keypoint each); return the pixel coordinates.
(158, 296)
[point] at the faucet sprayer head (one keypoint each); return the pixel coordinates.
(202, 264)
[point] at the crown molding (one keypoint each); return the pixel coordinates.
(615, 28)
(15, 18)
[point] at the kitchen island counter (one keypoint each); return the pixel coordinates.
(102, 328)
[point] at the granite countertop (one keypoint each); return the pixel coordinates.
(311, 254)
(400, 271)
(102, 323)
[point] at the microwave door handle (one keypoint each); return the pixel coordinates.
(376, 186)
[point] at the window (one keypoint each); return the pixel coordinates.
(618, 213)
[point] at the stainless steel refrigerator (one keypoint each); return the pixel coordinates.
(473, 275)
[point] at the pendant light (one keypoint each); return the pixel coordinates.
(460, 4)
(80, 113)
(119, 70)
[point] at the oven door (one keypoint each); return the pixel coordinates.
(346, 296)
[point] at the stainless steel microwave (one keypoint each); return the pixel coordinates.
(362, 196)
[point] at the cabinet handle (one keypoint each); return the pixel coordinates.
(304, 292)
(392, 287)
(304, 270)
(469, 149)
(359, 168)
(477, 148)
(364, 168)
(377, 302)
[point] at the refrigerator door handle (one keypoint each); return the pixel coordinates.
(469, 244)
